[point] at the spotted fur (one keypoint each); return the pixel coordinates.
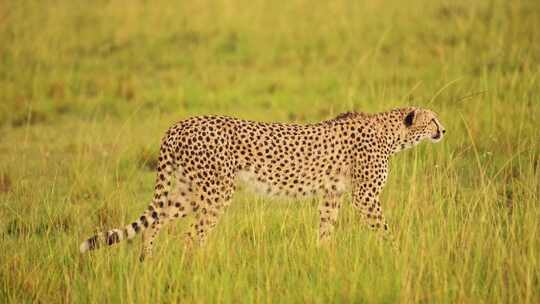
(202, 158)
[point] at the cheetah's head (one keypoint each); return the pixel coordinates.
(418, 124)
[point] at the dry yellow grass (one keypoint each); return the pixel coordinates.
(86, 92)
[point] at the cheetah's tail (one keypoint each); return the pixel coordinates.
(114, 236)
(151, 215)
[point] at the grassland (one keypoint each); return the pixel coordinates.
(86, 92)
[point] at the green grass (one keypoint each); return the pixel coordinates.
(87, 92)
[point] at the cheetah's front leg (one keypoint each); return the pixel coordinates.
(369, 179)
(328, 213)
(366, 202)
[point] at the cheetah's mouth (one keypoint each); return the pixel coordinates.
(436, 138)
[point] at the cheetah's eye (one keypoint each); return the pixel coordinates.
(409, 119)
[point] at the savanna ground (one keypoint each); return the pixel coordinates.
(86, 92)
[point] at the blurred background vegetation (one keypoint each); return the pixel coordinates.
(70, 59)
(87, 90)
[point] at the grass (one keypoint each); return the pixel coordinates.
(86, 93)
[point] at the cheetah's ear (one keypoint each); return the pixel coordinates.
(409, 119)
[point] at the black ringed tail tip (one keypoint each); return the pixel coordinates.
(114, 236)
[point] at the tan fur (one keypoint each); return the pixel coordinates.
(202, 158)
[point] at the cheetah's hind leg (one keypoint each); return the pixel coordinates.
(213, 202)
(177, 205)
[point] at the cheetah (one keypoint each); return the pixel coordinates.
(201, 159)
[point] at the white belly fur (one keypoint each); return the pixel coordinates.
(309, 187)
